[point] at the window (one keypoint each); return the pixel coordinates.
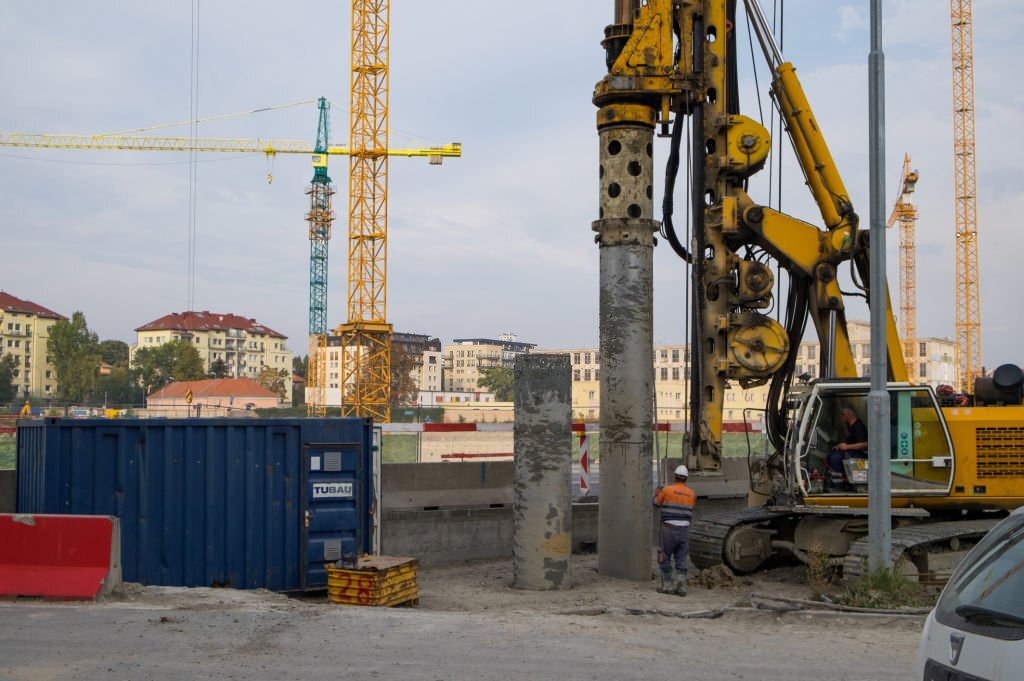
(675, 355)
(922, 351)
(664, 374)
(586, 375)
(664, 355)
(675, 373)
(591, 394)
(686, 373)
(576, 375)
(924, 369)
(810, 352)
(576, 358)
(597, 374)
(865, 350)
(586, 358)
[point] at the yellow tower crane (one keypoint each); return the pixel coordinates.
(366, 250)
(905, 213)
(968, 298)
(366, 335)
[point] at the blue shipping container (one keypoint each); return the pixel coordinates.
(246, 503)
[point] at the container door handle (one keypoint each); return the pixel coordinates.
(307, 518)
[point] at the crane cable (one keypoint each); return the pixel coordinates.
(193, 174)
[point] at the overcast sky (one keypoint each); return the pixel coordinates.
(496, 241)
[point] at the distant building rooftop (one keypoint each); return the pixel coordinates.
(208, 321)
(214, 387)
(511, 345)
(13, 304)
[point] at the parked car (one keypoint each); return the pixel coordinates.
(976, 630)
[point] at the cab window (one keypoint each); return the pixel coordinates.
(920, 458)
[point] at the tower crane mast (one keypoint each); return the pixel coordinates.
(905, 213)
(320, 218)
(968, 298)
(366, 336)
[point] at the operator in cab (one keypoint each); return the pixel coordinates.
(675, 503)
(854, 446)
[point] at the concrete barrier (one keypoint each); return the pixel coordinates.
(432, 486)
(451, 536)
(59, 556)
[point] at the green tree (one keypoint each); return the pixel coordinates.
(7, 366)
(218, 369)
(404, 366)
(275, 380)
(118, 388)
(174, 361)
(114, 353)
(300, 366)
(76, 357)
(499, 381)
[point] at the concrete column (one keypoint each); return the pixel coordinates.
(542, 509)
(626, 239)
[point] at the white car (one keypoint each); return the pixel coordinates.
(976, 631)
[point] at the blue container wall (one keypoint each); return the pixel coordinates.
(202, 501)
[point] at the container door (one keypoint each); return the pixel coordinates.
(332, 514)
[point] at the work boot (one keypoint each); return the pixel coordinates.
(680, 589)
(666, 582)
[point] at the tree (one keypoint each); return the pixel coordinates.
(218, 369)
(114, 353)
(300, 366)
(404, 365)
(76, 357)
(117, 387)
(7, 366)
(174, 361)
(274, 380)
(499, 381)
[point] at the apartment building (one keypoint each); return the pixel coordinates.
(427, 373)
(427, 351)
(24, 332)
(930, 361)
(933, 362)
(465, 359)
(244, 345)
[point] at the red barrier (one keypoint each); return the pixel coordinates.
(59, 556)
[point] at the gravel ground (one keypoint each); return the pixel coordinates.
(470, 625)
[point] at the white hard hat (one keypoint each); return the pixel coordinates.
(682, 472)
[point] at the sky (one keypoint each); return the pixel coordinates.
(496, 241)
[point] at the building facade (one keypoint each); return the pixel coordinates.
(244, 345)
(933, 363)
(466, 359)
(24, 333)
(426, 372)
(427, 351)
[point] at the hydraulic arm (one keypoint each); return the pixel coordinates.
(668, 60)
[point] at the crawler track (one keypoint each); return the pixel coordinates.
(907, 540)
(707, 534)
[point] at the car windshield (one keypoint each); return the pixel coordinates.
(987, 590)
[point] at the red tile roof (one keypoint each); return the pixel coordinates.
(215, 387)
(208, 321)
(12, 304)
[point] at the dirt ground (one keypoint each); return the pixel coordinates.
(487, 586)
(470, 624)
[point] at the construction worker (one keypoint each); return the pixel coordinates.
(675, 502)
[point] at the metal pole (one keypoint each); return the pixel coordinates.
(879, 511)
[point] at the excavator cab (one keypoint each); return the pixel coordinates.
(920, 459)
